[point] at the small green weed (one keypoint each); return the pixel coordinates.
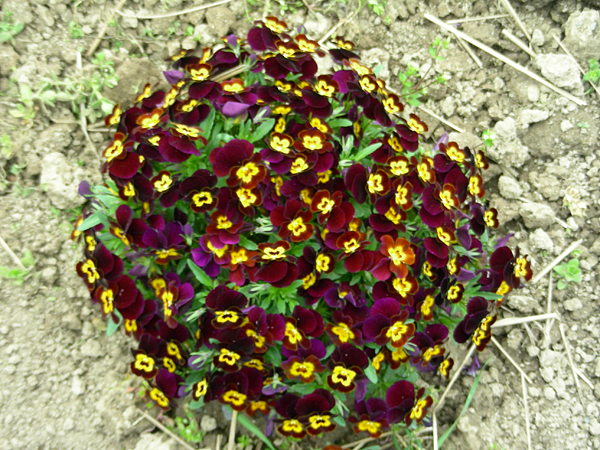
(18, 275)
(187, 428)
(9, 28)
(75, 30)
(411, 92)
(583, 124)
(593, 75)
(6, 147)
(377, 6)
(488, 138)
(568, 272)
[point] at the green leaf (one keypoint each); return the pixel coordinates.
(303, 389)
(338, 123)
(262, 130)
(371, 373)
(361, 210)
(340, 421)
(247, 243)
(367, 151)
(467, 403)
(245, 422)
(561, 284)
(200, 274)
(111, 326)
(273, 356)
(196, 404)
(560, 270)
(91, 221)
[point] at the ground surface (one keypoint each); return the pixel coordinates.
(65, 385)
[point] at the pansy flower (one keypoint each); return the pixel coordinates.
(347, 365)
(276, 267)
(293, 221)
(371, 417)
(476, 324)
(388, 323)
(429, 351)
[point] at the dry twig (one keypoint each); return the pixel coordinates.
(504, 59)
(455, 377)
(102, 32)
(512, 361)
(14, 257)
(571, 363)
(512, 12)
(476, 19)
(527, 426)
(165, 430)
(435, 116)
(176, 13)
(516, 320)
(556, 260)
(231, 442)
(470, 51)
(519, 43)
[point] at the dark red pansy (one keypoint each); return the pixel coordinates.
(400, 398)
(371, 416)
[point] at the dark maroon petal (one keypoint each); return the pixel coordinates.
(312, 403)
(290, 276)
(272, 272)
(125, 168)
(170, 153)
(500, 258)
(399, 394)
(354, 262)
(471, 322)
(135, 309)
(437, 332)
(382, 270)
(124, 216)
(204, 89)
(127, 292)
(388, 307)
(436, 247)
(184, 145)
(276, 326)
(104, 258)
(374, 324)
(167, 382)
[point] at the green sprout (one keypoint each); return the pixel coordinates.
(18, 275)
(75, 30)
(9, 29)
(488, 138)
(187, 428)
(568, 272)
(593, 75)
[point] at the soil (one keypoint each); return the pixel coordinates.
(65, 384)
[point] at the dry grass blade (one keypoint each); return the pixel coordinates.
(549, 322)
(455, 377)
(526, 405)
(517, 320)
(571, 363)
(512, 361)
(470, 51)
(231, 442)
(102, 32)
(513, 13)
(341, 23)
(584, 378)
(519, 43)
(556, 260)
(176, 13)
(218, 444)
(445, 122)
(564, 49)
(12, 255)
(435, 433)
(477, 19)
(165, 430)
(82, 119)
(504, 59)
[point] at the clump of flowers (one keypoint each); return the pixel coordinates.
(287, 243)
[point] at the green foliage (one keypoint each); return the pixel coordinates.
(377, 6)
(75, 30)
(9, 28)
(568, 272)
(78, 90)
(18, 275)
(488, 138)
(187, 428)
(472, 391)
(6, 148)
(593, 75)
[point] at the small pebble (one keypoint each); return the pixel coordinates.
(549, 393)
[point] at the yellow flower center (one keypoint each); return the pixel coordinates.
(144, 362)
(247, 197)
(160, 398)
(202, 198)
(343, 332)
(299, 165)
(234, 397)
(228, 357)
(351, 246)
(343, 376)
(297, 226)
(272, 254)
(89, 268)
(302, 369)
(375, 183)
(326, 205)
(247, 172)
(164, 183)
